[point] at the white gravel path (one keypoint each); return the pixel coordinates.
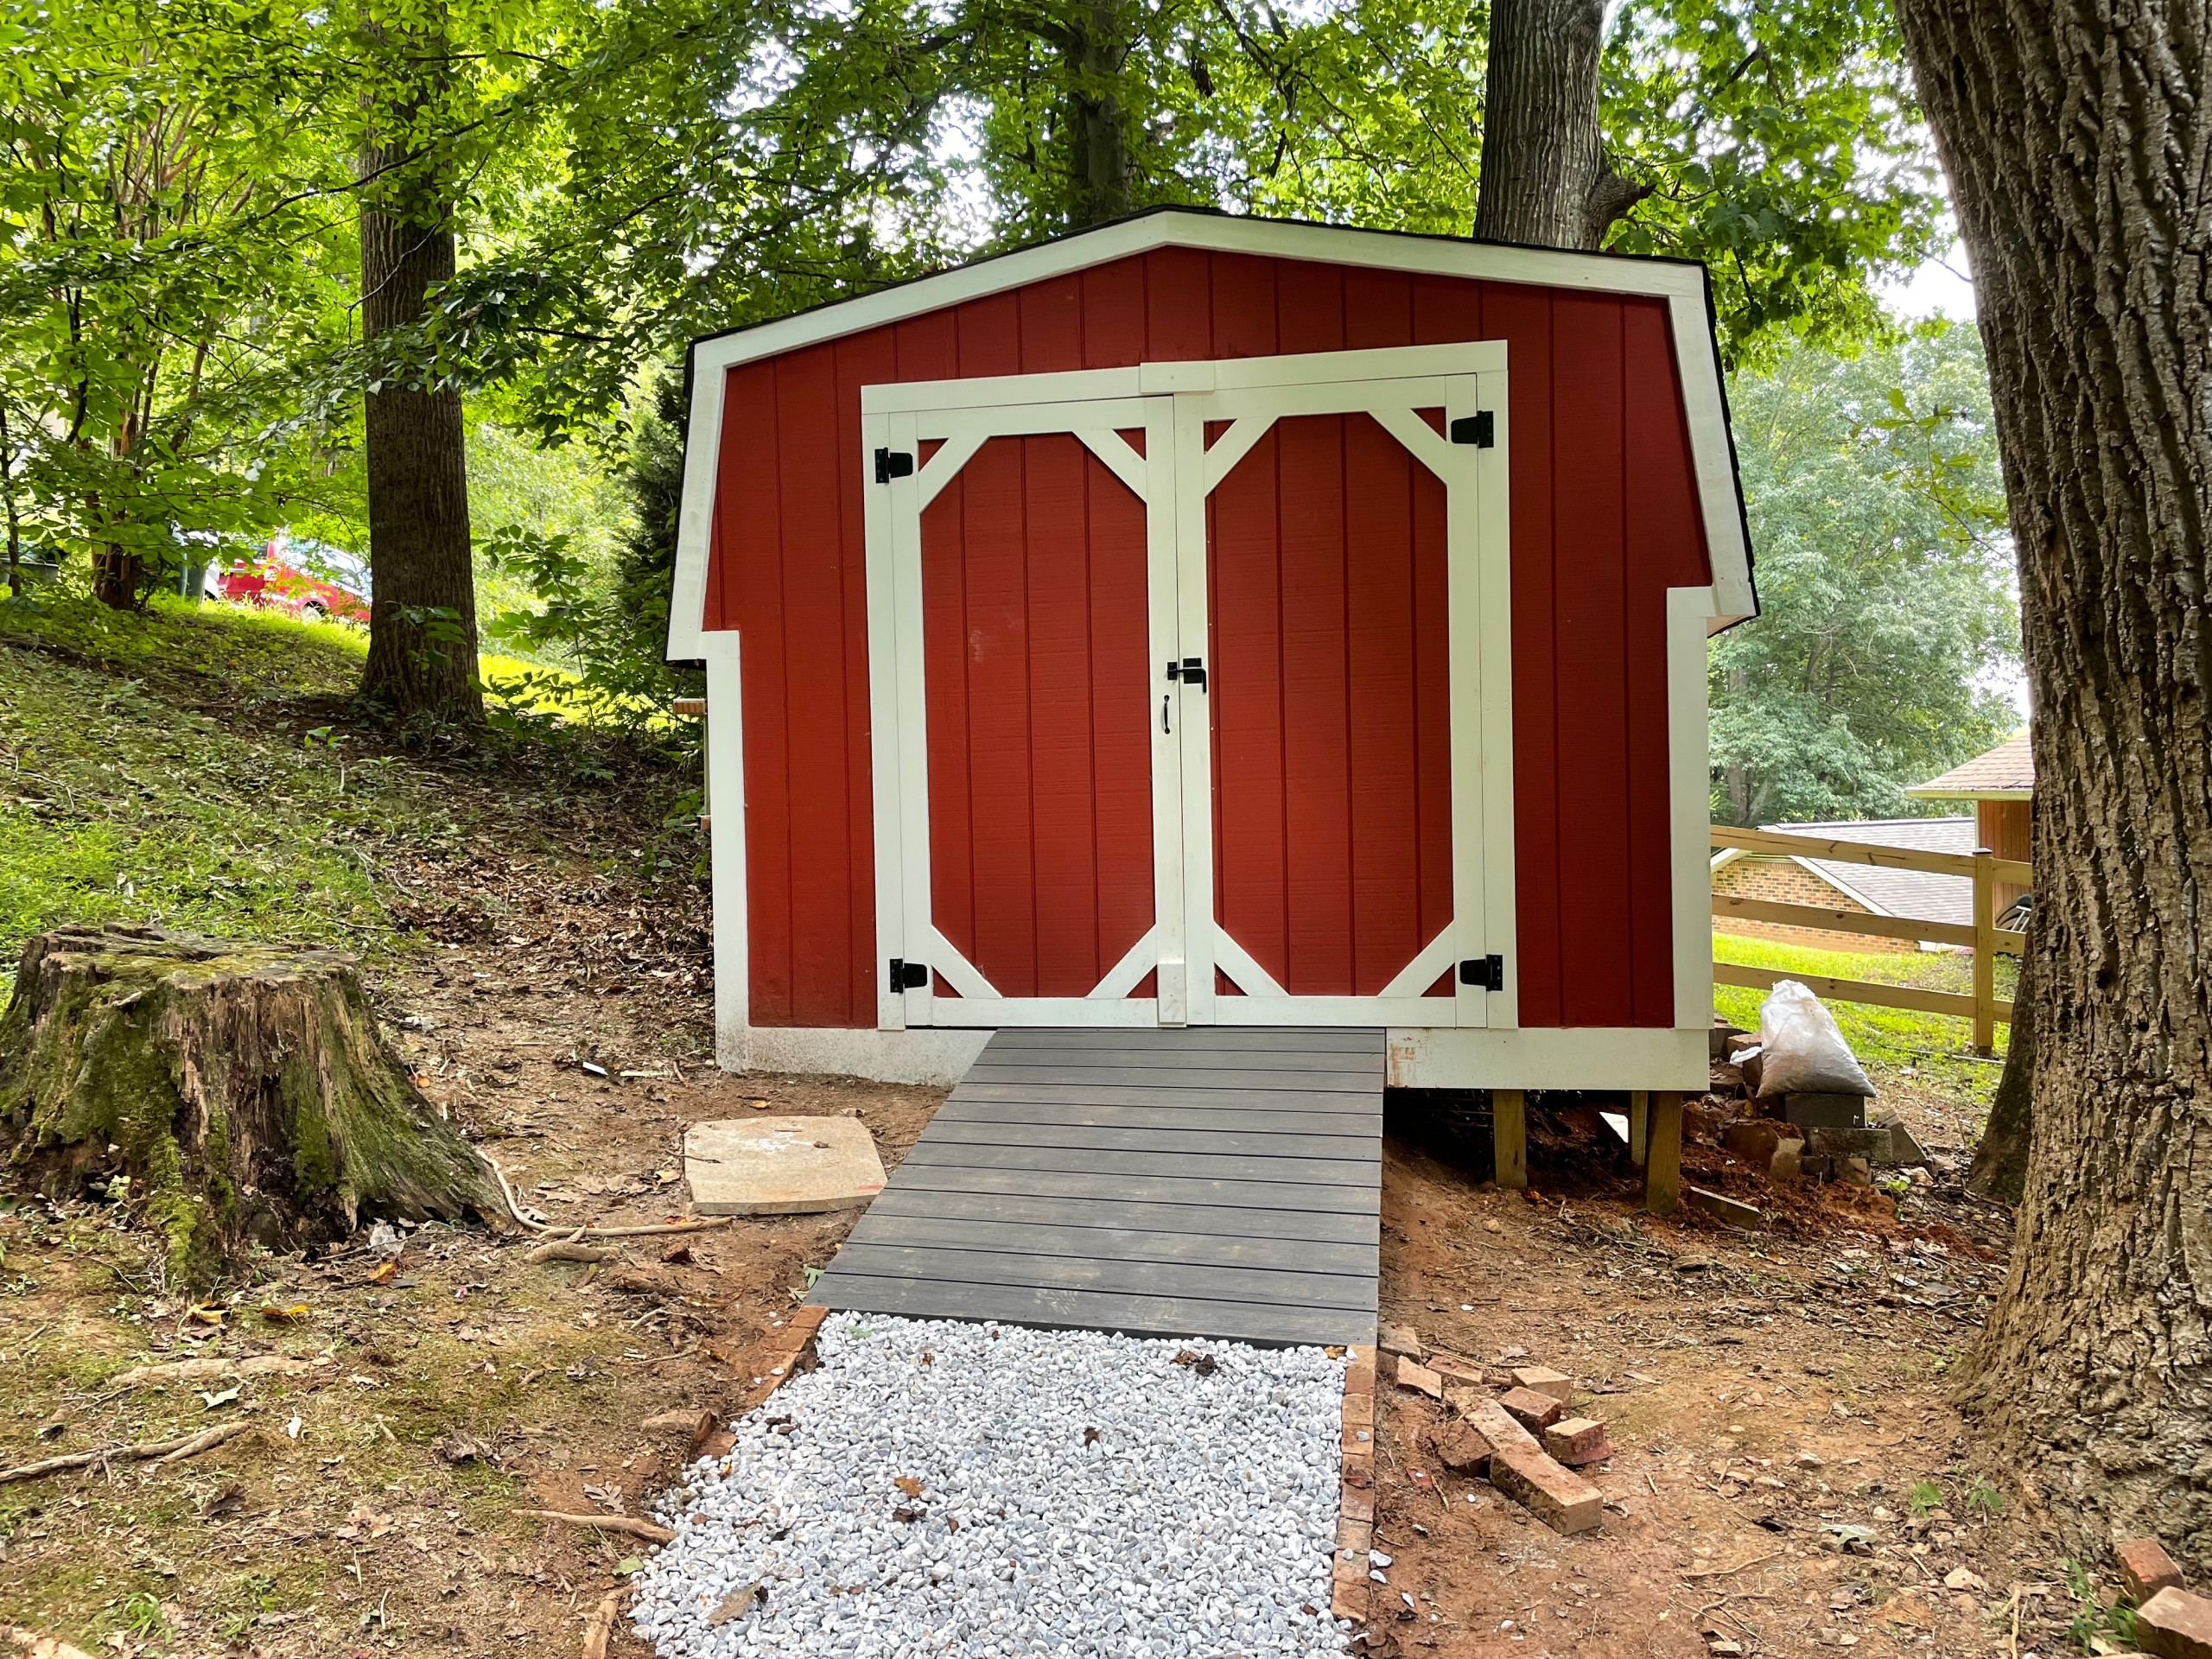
(1079, 1494)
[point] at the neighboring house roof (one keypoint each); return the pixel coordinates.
(1917, 893)
(2007, 772)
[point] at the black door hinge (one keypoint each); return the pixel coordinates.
(1478, 428)
(908, 975)
(1192, 671)
(893, 463)
(1484, 973)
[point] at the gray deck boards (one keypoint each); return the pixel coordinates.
(1222, 1182)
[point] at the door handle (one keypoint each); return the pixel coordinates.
(1163, 713)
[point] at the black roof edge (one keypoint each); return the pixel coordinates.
(1728, 431)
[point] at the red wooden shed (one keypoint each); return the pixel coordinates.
(1208, 620)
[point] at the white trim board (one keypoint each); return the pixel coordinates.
(1682, 285)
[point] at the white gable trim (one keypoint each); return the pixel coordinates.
(1682, 286)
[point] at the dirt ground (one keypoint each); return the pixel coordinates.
(371, 1510)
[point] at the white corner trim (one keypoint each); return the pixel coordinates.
(1682, 286)
(1690, 794)
(726, 906)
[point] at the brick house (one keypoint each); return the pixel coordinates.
(1865, 889)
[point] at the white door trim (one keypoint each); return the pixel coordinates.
(1173, 478)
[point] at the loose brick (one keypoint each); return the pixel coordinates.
(1401, 1339)
(1530, 1409)
(1348, 1601)
(2175, 1625)
(1559, 1497)
(1460, 1447)
(1452, 1368)
(1575, 1441)
(2147, 1568)
(1544, 1380)
(1420, 1378)
(1498, 1426)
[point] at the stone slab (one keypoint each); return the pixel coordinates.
(780, 1165)
(1721, 1207)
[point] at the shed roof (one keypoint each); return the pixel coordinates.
(2006, 772)
(1681, 283)
(1919, 894)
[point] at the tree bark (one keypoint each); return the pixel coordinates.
(242, 1089)
(2078, 142)
(423, 614)
(1544, 178)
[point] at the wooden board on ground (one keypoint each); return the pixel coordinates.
(1208, 1182)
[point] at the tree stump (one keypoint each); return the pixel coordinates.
(244, 1088)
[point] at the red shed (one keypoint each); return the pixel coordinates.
(1208, 620)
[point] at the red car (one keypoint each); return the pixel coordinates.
(304, 580)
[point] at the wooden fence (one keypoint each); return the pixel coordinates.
(1983, 936)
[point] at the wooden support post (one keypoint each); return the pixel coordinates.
(1508, 1118)
(1639, 1124)
(1662, 1158)
(1984, 951)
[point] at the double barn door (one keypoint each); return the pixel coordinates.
(1189, 693)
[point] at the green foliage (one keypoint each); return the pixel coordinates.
(1983, 1498)
(1924, 1496)
(1888, 620)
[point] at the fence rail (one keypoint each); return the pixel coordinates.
(1982, 937)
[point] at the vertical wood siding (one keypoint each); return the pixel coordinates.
(1040, 691)
(1603, 522)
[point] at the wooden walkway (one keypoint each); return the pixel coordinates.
(1212, 1181)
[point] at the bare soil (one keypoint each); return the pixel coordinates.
(372, 1511)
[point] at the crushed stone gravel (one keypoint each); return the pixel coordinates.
(942, 1488)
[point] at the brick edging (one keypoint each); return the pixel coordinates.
(1350, 1589)
(780, 1356)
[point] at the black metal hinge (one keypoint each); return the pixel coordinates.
(908, 975)
(893, 463)
(1485, 973)
(1479, 429)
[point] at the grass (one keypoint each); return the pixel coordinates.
(191, 768)
(1935, 1051)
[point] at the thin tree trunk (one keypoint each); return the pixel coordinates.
(2078, 142)
(1544, 179)
(423, 614)
(2000, 1158)
(1099, 167)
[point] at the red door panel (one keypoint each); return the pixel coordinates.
(1331, 706)
(1036, 659)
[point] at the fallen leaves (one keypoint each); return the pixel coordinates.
(1199, 1364)
(733, 1605)
(908, 1485)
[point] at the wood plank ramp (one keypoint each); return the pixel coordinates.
(1202, 1182)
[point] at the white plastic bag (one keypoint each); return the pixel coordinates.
(1802, 1052)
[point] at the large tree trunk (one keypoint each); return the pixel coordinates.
(2076, 139)
(1096, 51)
(243, 1090)
(422, 615)
(1544, 179)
